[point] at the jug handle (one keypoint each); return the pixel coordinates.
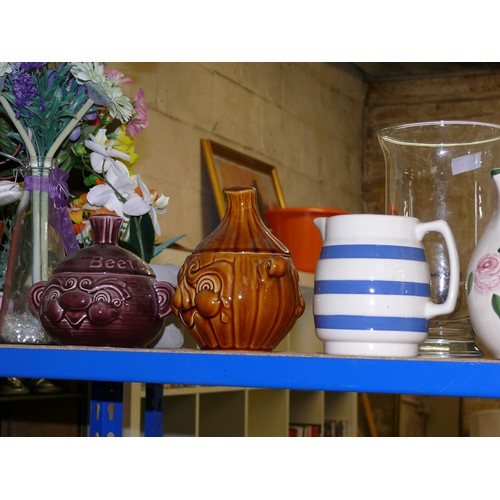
(432, 309)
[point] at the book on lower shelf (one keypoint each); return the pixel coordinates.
(304, 430)
(336, 428)
(332, 428)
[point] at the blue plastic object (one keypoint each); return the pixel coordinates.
(447, 377)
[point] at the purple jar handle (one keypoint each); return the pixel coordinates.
(164, 294)
(35, 296)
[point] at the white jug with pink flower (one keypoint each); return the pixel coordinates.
(483, 279)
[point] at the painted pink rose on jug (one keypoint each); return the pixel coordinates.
(487, 273)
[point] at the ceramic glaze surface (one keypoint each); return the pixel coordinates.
(239, 288)
(103, 295)
(483, 280)
(372, 284)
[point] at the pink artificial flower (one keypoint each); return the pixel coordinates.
(140, 119)
(117, 77)
(487, 273)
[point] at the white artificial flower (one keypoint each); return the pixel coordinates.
(5, 67)
(104, 195)
(161, 203)
(88, 72)
(9, 192)
(101, 137)
(103, 90)
(141, 205)
(103, 156)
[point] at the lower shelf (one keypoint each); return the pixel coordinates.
(241, 412)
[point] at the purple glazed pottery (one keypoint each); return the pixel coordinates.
(103, 295)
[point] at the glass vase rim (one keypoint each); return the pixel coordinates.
(39, 161)
(36, 165)
(388, 135)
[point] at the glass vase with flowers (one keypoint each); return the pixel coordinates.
(64, 118)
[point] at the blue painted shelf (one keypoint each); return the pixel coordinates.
(457, 377)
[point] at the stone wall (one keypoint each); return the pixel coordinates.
(303, 118)
(393, 102)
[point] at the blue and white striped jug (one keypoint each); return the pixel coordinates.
(372, 284)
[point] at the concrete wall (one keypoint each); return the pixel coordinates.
(303, 118)
(314, 122)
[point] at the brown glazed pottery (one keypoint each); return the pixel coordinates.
(239, 289)
(103, 295)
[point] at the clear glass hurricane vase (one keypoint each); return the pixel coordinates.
(441, 170)
(35, 250)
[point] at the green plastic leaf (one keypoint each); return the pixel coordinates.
(495, 302)
(127, 246)
(142, 236)
(158, 249)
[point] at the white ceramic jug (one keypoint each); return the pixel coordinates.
(372, 284)
(483, 278)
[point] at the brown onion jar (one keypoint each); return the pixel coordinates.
(239, 289)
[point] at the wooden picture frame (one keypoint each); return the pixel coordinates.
(227, 167)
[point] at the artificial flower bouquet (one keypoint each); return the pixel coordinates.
(78, 114)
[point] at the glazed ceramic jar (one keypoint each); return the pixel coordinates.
(483, 279)
(239, 289)
(103, 295)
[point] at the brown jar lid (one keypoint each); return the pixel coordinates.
(242, 229)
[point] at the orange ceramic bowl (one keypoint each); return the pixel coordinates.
(295, 228)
